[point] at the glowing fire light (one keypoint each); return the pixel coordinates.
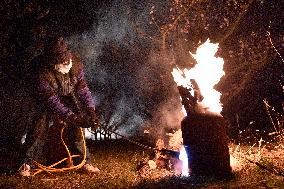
(207, 73)
(183, 158)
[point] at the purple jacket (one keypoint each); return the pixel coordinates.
(50, 91)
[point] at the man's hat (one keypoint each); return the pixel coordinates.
(57, 51)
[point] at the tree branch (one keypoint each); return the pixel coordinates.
(271, 42)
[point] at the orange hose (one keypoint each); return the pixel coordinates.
(50, 169)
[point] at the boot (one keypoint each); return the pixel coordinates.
(25, 170)
(90, 169)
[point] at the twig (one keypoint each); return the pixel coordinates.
(238, 123)
(259, 149)
(236, 23)
(267, 111)
(271, 42)
(250, 148)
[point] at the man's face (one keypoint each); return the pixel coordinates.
(64, 67)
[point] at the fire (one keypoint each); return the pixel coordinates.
(207, 73)
(183, 158)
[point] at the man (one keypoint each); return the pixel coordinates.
(67, 102)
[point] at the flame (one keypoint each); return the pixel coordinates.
(183, 158)
(207, 73)
(234, 163)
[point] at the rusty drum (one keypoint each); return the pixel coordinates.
(206, 141)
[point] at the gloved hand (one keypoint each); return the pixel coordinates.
(76, 121)
(93, 119)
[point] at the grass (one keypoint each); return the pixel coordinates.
(119, 160)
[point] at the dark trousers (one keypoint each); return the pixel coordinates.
(44, 142)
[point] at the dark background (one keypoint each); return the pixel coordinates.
(129, 49)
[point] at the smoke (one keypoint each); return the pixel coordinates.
(131, 81)
(166, 119)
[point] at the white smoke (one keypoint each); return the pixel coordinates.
(138, 88)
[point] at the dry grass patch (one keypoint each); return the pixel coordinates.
(119, 160)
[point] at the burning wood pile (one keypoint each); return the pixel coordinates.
(165, 159)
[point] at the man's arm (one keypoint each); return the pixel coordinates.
(47, 93)
(84, 95)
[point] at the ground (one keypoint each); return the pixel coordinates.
(119, 162)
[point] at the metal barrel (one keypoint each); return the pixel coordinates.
(206, 142)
